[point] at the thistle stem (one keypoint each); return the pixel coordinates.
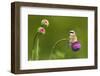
(54, 46)
(37, 49)
(34, 38)
(59, 42)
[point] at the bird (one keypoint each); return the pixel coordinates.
(73, 41)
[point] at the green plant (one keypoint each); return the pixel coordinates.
(40, 31)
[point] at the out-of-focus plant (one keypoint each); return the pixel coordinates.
(40, 31)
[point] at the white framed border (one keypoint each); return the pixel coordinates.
(25, 64)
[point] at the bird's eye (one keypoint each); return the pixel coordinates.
(71, 32)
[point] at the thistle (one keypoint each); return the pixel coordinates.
(73, 42)
(44, 23)
(40, 31)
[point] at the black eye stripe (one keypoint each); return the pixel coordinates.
(71, 32)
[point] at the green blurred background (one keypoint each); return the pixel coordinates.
(59, 28)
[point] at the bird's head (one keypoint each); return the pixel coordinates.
(72, 33)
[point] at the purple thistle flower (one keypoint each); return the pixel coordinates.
(76, 46)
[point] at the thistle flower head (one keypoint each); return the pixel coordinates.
(45, 22)
(76, 46)
(41, 30)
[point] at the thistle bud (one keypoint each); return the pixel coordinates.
(41, 30)
(45, 22)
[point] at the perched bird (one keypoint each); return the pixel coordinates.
(74, 43)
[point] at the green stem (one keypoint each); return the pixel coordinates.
(54, 46)
(37, 49)
(59, 42)
(34, 39)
